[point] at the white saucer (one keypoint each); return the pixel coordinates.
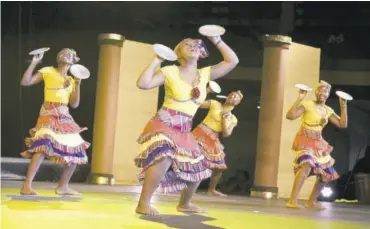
(303, 87)
(80, 71)
(215, 87)
(221, 96)
(344, 95)
(211, 30)
(164, 52)
(39, 51)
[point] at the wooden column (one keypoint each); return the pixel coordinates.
(275, 64)
(106, 108)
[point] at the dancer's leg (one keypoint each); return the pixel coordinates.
(186, 195)
(215, 178)
(153, 176)
(312, 201)
(299, 180)
(62, 188)
(34, 166)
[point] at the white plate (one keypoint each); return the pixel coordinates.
(39, 51)
(303, 87)
(215, 87)
(80, 71)
(211, 30)
(344, 95)
(164, 52)
(221, 96)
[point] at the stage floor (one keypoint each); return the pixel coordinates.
(112, 207)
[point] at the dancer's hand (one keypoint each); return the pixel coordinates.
(226, 117)
(77, 80)
(302, 94)
(215, 40)
(158, 58)
(37, 58)
(342, 102)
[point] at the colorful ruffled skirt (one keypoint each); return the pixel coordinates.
(57, 136)
(312, 149)
(168, 134)
(214, 150)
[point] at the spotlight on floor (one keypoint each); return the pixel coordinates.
(326, 192)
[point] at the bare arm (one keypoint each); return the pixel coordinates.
(74, 99)
(230, 59)
(342, 121)
(151, 78)
(28, 79)
(296, 110)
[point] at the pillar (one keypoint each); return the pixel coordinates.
(106, 108)
(275, 64)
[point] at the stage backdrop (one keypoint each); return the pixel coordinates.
(304, 68)
(135, 108)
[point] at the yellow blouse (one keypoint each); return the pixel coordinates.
(214, 117)
(54, 90)
(312, 118)
(178, 92)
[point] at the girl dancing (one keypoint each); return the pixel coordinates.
(170, 157)
(312, 151)
(218, 120)
(56, 135)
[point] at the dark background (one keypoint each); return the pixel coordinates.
(341, 30)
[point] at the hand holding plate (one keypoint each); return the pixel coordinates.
(344, 96)
(163, 52)
(37, 58)
(80, 71)
(212, 30)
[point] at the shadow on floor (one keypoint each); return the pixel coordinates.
(191, 221)
(44, 198)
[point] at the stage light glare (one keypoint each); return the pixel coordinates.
(258, 107)
(326, 192)
(268, 195)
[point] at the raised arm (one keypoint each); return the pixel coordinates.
(297, 109)
(28, 78)
(342, 121)
(151, 77)
(230, 59)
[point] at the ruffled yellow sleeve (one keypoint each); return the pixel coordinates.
(45, 72)
(306, 104)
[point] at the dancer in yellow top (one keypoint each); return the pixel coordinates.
(312, 151)
(218, 120)
(170, 157)
(56, 135)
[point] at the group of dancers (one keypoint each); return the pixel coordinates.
(172, 157)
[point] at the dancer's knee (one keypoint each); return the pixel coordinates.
(306, 169)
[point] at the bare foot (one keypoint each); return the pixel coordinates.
(190, 209)
(146, 210)
(28, 191)
(315, 206)
(215, 193)
(66, 192)
(293, 205)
